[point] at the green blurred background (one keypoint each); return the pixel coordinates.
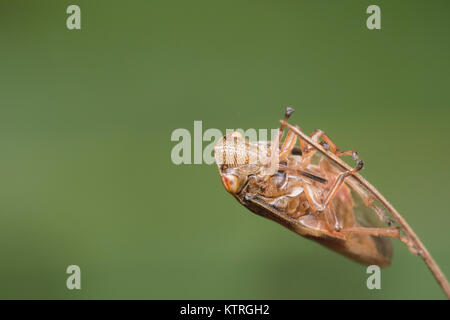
(86, 116)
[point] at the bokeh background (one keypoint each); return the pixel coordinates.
(86, 117)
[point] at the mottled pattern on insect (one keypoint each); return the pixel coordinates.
(291, 182)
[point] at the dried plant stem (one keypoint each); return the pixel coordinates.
(417, 244)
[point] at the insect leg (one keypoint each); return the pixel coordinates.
(305, 150)
(383, 232)
(365, 196)
(281, 154)
(329, 144)
(315, 204)
(308, 151)
(339, 181)
(287, 145)
(378, 232)
(313, 197)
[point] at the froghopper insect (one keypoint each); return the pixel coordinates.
(291, 182)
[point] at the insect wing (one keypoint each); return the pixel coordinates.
(370, 213)
(354, 205)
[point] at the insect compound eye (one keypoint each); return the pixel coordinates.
(231, 183)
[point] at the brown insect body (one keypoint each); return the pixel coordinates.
(302, 190)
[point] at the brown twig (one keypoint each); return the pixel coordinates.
(421, 249)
